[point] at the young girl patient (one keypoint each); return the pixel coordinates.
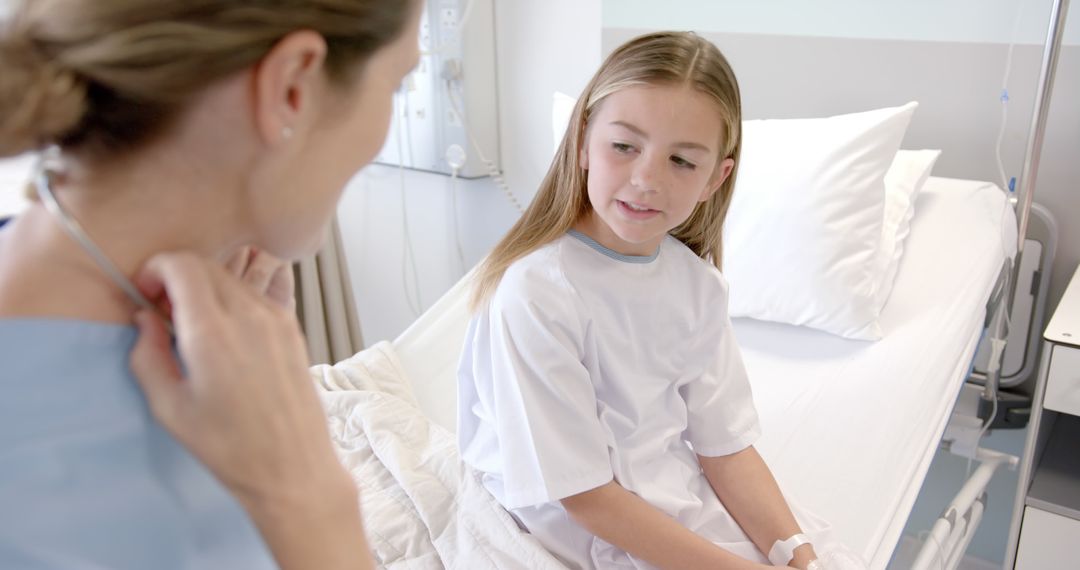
(601, 392)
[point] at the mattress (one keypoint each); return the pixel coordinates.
(850, 427)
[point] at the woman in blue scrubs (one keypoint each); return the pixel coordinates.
(181, 131)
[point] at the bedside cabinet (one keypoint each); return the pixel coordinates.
(1045, 530)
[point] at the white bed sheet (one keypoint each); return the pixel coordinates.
(850, 427)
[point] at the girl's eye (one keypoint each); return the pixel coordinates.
(683, 163)
(622, 147)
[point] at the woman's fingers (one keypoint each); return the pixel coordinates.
(269, 276)
(181, 284)
(171, 279)
(282, 288)
(238, 261)
(260, 271)
(155, 367)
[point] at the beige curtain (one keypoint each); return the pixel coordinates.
(324, 303)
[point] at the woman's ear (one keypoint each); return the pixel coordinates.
(286, 84)
(720, 175)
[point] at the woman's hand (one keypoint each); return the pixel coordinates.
(266, 274)
(240, 400)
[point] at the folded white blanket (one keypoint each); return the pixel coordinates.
(422, 507)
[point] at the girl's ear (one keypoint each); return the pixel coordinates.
(720, 175)
(583, 153)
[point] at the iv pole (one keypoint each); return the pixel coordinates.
(1026, 194)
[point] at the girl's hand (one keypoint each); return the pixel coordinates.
(266, 274)
(240, 400)
(803, 556)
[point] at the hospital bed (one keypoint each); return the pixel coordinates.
(850, 427)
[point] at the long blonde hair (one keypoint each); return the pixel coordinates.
(665, 58)
(103, 77)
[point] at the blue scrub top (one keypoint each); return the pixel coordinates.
(87, 478)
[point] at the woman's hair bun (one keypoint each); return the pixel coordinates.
(39, 101)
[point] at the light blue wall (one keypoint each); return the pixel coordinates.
(977, 21)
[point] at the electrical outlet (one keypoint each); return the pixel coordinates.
(449, 19)
(454, 70)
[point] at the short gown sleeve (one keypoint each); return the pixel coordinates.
(523, 372)
(722, 418)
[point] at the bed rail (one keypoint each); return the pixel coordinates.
(952, 532)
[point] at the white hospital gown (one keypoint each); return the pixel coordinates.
(589, 366)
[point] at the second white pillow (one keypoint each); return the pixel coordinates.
(903, 181)
(803, 235)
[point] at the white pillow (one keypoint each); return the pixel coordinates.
(802, 237)
(562, 106)
(903, 181)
